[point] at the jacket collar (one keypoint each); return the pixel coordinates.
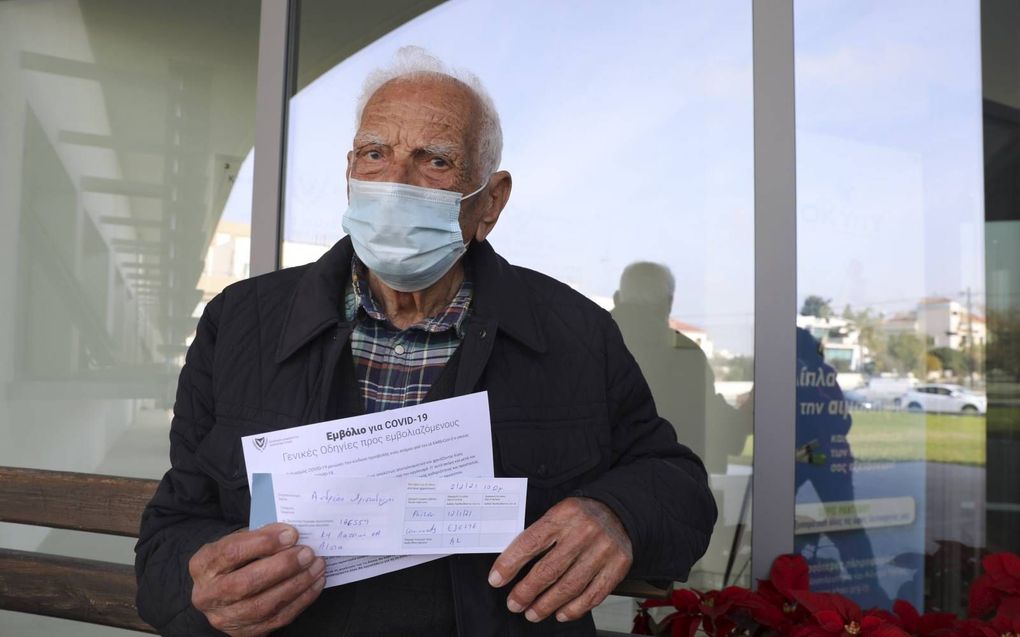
(502, 296)
(499, 295)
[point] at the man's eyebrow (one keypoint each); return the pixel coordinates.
(444, 150)
(367, 138)
(362, 139)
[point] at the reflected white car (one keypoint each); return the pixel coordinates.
(943, 398)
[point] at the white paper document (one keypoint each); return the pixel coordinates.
(413, 516)
(445, 438)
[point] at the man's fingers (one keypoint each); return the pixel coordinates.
(546, 572)
(533, 540)
(590, 554)
(237, 549)
(265, 573)
(564, 590)
(272, 604)
(293, 609)
(597, 590)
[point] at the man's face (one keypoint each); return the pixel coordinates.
(421, 132)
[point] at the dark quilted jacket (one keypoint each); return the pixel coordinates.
(570, 411)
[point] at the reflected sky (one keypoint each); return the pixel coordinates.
(889, 151)
(628, 129)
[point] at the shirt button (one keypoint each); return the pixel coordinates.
(543, 470)
(399, 349)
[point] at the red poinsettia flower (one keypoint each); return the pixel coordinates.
(886, 616)
(973, 628)
(783, 605)
(642, 623)
(715, 607)
(684, 622)
(837, 616)
(1000, 580)
(927, 625)
(776, 614)
(774, 604)
(1007, 620)
(1004, 571)
(789, 574)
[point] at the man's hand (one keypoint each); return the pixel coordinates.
(589, 553)
(250, 583)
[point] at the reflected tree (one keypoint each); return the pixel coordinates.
(1003, 357)
(815, 305)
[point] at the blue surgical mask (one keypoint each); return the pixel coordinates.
(408, 236)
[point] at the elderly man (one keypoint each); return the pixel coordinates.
(414, 305)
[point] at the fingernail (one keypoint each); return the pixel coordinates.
(531, 615)
(305, 556)
(496, 580)
(513, 606)
(320, 583)
(560, 617)
(318, 568)
(288, 537)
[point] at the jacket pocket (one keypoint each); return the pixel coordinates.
(548, 454)
(556, 457)
(220, 457)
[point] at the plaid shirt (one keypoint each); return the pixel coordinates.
(396, 368)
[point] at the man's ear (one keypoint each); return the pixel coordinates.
(493, 201)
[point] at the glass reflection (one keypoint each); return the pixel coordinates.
(831, 520)
(1000, 50)
(893, 332)
(122, 130)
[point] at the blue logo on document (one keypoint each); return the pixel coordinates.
(260, 443)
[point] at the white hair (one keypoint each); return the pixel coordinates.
(416, 62)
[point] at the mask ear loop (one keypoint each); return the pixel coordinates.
(480, 189)
(467, 244)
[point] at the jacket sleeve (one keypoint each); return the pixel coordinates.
(656, 486)
(184, 514)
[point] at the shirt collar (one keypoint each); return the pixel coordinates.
(451, 317)
(499, 294)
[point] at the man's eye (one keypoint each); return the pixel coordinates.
(439, 162)
(373, 155)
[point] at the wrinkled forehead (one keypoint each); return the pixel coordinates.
(436, 103)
